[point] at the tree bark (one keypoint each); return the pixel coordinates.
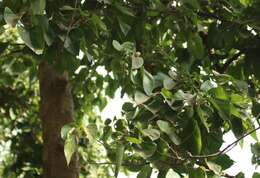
(56, 110)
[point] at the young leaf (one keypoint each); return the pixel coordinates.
(70, 148)
(117, 45)
(134, 140)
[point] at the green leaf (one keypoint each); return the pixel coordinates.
(146, 172)
(203, 117)
(119, 157)
(134, 140)
(98, 22)
(148, 83)
(25, 35)
(10, 17)
(195, 46)
(137, 62)
(67, 8)
(237, 127)
(256, 175)
(170, 131)
(127, 107)
(208, 85)
(125, 28)
(246, 3)
(65, 130)
(124, 9)
(146, 149)
(197, 140)
(140, 97)
(180, 95)
(193, 3)
(37, 39)
(117, 45)
(214, 167)
(166, 94)
(153, 134)
(91, 131)
(221, 107)
(3, 47)
(197, 173)
(70, 148)
(239, 100)
(168, 83)
(172, 174)
(38, 6)
(219, 93)
(224, 161)
(240, 175)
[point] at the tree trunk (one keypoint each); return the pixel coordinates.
(56, 110)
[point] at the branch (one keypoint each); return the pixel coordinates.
(226, 149)
(111, 163)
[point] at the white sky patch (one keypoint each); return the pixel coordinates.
(241, 156)
(101, 71)
(185, 45)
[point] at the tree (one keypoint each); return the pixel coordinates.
(189, 67)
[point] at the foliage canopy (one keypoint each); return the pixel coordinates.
(190, 68)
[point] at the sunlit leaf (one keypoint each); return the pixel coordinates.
(170, 131)
(70, 148)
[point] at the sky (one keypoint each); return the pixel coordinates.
(241, 156)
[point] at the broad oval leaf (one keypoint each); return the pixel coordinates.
(140, 97)
(153, 134)
(70, 148)
(117, 45)
(148, 83)
(137, 62)
(172, 174)
(170, 131)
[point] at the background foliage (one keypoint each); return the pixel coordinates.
(190, 68)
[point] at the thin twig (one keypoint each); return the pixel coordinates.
(71, 23)
(226, 149)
